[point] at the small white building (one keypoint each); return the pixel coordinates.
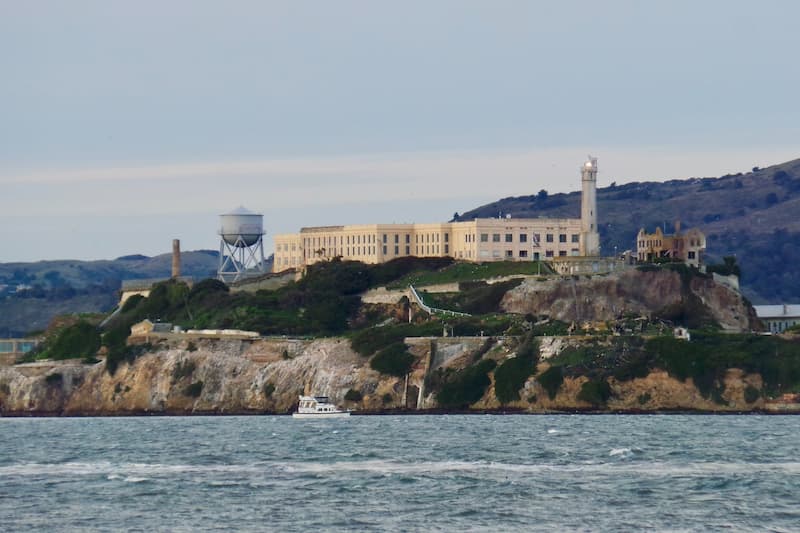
(778, 318)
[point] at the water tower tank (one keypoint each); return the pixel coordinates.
(241, 227)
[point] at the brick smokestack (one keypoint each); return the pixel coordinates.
(176, 258)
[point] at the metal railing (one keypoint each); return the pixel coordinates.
(431, 310)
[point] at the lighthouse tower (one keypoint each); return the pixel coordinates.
(590, 238)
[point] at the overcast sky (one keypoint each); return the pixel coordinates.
(124, 125)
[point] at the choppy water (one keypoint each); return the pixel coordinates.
(498, 473)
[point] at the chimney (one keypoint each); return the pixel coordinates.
(176, 258)
(677, 227)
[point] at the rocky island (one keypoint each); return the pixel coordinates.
(638, 339)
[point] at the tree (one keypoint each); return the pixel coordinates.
(541, 195)
(772, 198)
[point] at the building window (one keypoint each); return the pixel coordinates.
(523, 237)
(396, 250)
(384, 249)
(536, 239)
(535, 256)
(447, 249)
(495, 237)
(576, 237)
(509, 253)
(446, 237)
(549, 237)
(523, 253)
(549, 253)
(691, 255)
(562, 237)
(384, 239)
(396, 238)
(408, 238)
(408, 250)
(484, 237)
(562, 253)
(495, 253)
(509, 237)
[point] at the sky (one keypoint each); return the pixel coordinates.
(124, 125)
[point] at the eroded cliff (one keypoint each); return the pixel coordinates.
(268, 376)
(608, 297)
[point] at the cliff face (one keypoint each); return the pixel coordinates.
(602, 298)
(268, 376)
(218, 377)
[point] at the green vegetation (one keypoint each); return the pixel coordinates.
(463, 271)
(511, 375)
(705, 360)
(751, 394)
(194, 390)
(54, 379)
(352, 395)
(727, 268)
(551, 380)
(393, 360)
(474, 297)
(80, 340)
(596, 393)
(268, 389)
(465, 387)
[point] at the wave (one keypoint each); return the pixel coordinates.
(138, 472)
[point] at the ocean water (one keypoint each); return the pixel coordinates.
(401, 473)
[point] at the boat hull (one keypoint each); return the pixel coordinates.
(340, 414)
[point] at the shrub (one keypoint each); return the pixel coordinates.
(194, 389)
(269, 388)
(79, 340)
(183, 369)
(393, 360)
(644, 398)
(353, 395)
(551, 380)
(751, 394)
(596, 393)
(54, 379)
(386, 399)
(510, 376)
(467, 386)
(131, 303)
(368, 341)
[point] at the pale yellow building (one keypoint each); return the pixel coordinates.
(480, 240)
(688, 247)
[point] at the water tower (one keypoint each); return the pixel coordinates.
(241, 245)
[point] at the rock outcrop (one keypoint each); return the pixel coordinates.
(608, 297)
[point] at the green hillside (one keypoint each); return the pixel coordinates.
(752, 215)
(31, 294)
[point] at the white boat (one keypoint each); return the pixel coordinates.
(318, 407)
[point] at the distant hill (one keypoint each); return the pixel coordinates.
(754, 216)
(31, 294)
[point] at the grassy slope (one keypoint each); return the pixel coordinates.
(752, 216)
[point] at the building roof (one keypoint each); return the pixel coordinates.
(778, 311)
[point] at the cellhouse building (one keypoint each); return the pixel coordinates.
(479, 240)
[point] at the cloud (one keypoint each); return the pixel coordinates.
(305, 182)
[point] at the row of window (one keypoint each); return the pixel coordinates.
(535, 237)
(523, 254)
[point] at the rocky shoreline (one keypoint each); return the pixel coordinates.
(237, 378)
